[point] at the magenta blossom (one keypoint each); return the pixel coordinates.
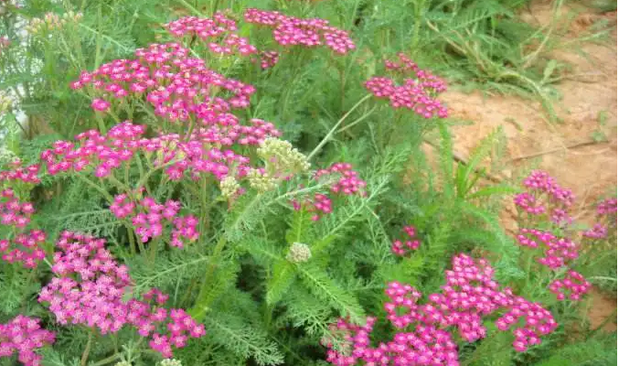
(91, 288)
(100, 105)
(23, 335)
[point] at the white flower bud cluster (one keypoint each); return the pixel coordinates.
(170, 362)
(282, 158)
(229, 187)
(299, 253)
(261, 182)
(123, 363)
(52, 21)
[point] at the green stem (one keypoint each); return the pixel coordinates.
(97, 187)
(101, 125)
(203, 209)
(202, 301)
(106, 360)
(87, 348)
(335, 127)
(356, 121)
(132, 241)
(154, 250)
(529, 260)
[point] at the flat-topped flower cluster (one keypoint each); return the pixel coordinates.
(423, 331)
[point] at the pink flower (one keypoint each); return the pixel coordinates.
(100, 105)
(23, 335)
(89, 288)
(573, 286)
(416, 94)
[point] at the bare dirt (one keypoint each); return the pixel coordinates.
(588, 105)
(600, 310)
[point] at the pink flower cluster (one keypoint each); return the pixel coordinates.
(537, 320)
(348, 183)
(470, 294)
(545, 196)
(210, 29)
(608, 207)
(89, 289)
(23, 335)
(417, 93)
(607, 214)
(179, 87)
(292, 31)
(201, 154)
(400, 248)
(406, 66)
(101, 105)
(12, 211)
(18, 173)
(539, 181)
(527, 202)
(598, 231)
(558, 251)
(573, 286)
(427, 345)
(269, 59)
(149, 217)
(26, 245)
(26, 248)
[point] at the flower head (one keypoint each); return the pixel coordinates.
(299, 253)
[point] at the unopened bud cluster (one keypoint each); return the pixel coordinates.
(170, 362)
(282, 161)
(281, 158)
(299, 253)
(260, 181)
(52, 21)
(229, 187)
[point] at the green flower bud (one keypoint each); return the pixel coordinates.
(281, 158)
(229, 186)
(299, 253)
(170, 362)
(261, 182)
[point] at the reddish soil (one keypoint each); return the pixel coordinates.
(588, 97)
(601, 308)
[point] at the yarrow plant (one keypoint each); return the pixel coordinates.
(151, 216)
(558, 252)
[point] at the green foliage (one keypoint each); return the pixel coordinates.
(259, 306)
(598, 350)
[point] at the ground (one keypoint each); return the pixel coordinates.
(588, 106)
